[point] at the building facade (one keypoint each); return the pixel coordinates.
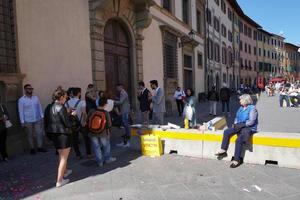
(291, 63)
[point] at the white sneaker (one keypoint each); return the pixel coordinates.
(126, 145)
(120, 144)
(68, 173)
(62, 183)
(110, 160)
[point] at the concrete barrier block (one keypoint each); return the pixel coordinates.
(184, 147)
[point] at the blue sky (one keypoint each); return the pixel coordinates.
(276, 16)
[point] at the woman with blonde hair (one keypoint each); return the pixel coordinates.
(59, 129)
(245, 125)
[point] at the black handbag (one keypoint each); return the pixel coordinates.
(238, 127)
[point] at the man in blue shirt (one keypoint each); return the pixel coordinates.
(31, 118)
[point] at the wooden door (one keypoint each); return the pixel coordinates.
(117, 60)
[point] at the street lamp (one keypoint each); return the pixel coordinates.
(187, 39)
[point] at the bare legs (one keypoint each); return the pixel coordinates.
(63, 160)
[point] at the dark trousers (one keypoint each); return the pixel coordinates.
(286, 98)
(225, 103)
(3, 136)
(243, 137)
(179, 106)
(87, 142)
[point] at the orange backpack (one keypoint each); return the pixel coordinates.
(97, 122)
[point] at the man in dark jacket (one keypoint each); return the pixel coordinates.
(225, 98)
(144, 96)
(213, 98)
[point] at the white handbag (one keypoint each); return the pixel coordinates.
(8, 123)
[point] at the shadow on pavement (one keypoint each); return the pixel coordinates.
(28, 175)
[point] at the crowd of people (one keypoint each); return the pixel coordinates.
(68, 116)
(287, 92)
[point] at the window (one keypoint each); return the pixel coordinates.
(241, 46)
(216, 24)
(200, 61)
(170, 55)
(224, 31)
(185, 11)
(249, 49)
(224, 78)
(245, 48)
(268, 54)
(229, 14)
(275, 42)
(254, 50)
(188, 72)
(217, 2)
(245, 30)
(272, 55)
(259, 51)
(246, 64)
(208, 16)
(199, 22)
(210, 49)
(264, 53)
(223, 6)
(167, 4)
(249, 32)
(250, 67)
(241, 26)
(7, 39)
(259, 36)
(241, 62)
(230, 57)
(255, 35)
(224, 55)
(230, 36)
(254, 66)
(217, 53)
(272, 41)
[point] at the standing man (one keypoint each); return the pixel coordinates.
(124, 104)
(31, 118)
(144, 96)
(225, 98)
(90, 98)
(78, 108)
(179, 95)
(213, 98)
(158, 103)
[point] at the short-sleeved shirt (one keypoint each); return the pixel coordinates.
(79, 108)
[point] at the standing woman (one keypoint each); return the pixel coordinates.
(191, 101)
(59, 126)
(3, 131)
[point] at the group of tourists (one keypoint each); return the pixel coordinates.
(287, 92)
(68, 115)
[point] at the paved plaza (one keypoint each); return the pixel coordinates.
(169, 177)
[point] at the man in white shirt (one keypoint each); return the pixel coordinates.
(179, 95)
(79, 107)
(31, 118)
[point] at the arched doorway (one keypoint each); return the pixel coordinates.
(117, 56)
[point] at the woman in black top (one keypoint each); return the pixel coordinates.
(59, 126)
(3, 131)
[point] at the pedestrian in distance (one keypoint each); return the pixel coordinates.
(158, 103)
(4, 117)
(124, 104)
(225, 98)
(31, 117)
(179, 96)
(59, 127)
(144, 97)
(213, 98)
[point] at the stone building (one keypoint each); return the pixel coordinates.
(291, 61)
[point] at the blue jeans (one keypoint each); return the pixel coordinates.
(98, 143)
(243, 137)
(125, 122)
(286, 98)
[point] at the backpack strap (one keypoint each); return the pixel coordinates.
(76, 104)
